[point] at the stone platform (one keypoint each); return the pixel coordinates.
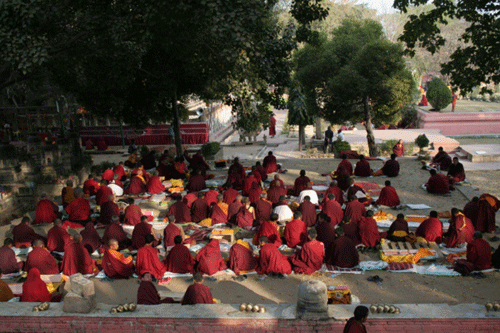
(461, 123)
(482, 153)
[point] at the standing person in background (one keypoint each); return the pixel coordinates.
(328, 139)
(399, 148)
(272, 127)
(454, 98)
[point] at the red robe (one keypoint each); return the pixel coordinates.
(45, 212)
(351, 230)
(137, 186)
(398, 149)
(363, 169)
(101, 145)
(57, 237)
(233, 210)
(248, 184)
(148, 262)
(24, 235)
(271, 260)
(241, 259)
(196, 183)
(77, 260)
(443, 159)
(90, 187)
(270, 230)
(275, 193)
(132, 215)
(155, 186)
(272, 126)
(34, 289)
(471, 211)
(347, 167)
(116, 266)
(169, 234)
(343, 179)
(300, 184)
(238, 168)
(244, 218)
(230, 195)
(275, 183)
(354, 326)
(181, 212)
(479, 254)
(398, 225)
(355, 210)
(179, 260)
(326, 234)
(197, 294)
(78, 210)
(456, 172)
(236, 180)
(337, 192)
(189, 198)
(461, 231)
(120, 171)
(308, 211)
(368, 231)
(295, 233)
(199, 210)
(254, 194)
(108, 210)
(211, 197)
(269, 164)
(431, 229)
(438, 184)
(388, 197)
(343, 253)
(309, 259)
(8, 261)
(108, 175)
(148, 295)
(90, 237)
(138, 235)
(260, 169)
(334, 211)
(353, 189)
(263, 210)
(488, 206)
(219, 213)
(41, 258)
(102, 195)
(198, 162)
(391, 168)
(115, 231)
(89, 145)
(209, 260)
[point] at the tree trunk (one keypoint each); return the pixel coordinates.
(304, 135)
(372, 147)
(319, 132)
(177, 126)
(300, 137)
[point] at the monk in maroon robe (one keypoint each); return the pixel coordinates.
(362, 168)
(140, 232)
(189, 198)
(196, 182)
(230, 194)
(235, 179)
(276, 192)
(90, 238)
(270, 230)
(355, 209)
(295, 231)
(108, 210)
(79, 209)
(479, 252)
(133, 213)
(431, 229)
(368, 230)
(337, 192)
(308, 211)
(488, 206)
(255, 192)
(300, 183)
(241, 256)
(390, 168)
(101, 144)
(45, 211)
(398, 149)
(137, 184)
(57, 237)
(471, 211)
(103, 193)
(346, 165)
(209, 260)
(116, 232)
(442, 160)
(248, 184)
(8, 261)
(437, 183)
(350, 229)
(90, 186)
(388, 196)
(325, 230)
(89, 145)
(41, 258)
(197, 293)
(154, 185)
(170, 232)
(108, 175)
(198, 162)
(343, 179)
(271, 260)
(199, 209)
(461, 229)
(333, 209)
(147, 294)
(77, 259)
(220, 211)
(309, 259)
(356, 324)
(211, 197)
(246, 215)
(456, 172)
(120, 171)
(275, 181)
(179, 259)
(343, 252)
(114, 263)
(353, 190)
(23, 234)
(238, 168)
(147, 260)
(398, 230)
(260, 169)
(272, 127)
(233, 210)
(270, 164)
(181, 211)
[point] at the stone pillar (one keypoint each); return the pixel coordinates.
(312, 300)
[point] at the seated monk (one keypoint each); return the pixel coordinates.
(346, 165)
(120, 171)
(343, 179)
(235, 179)
(356, 324)
(456, 172)
(209, 260)
(5, 291)
(103, 193)
(57, 237)
(180, 210)
(108, 175)
(137, 184)
(270, 230)
(488, 206)
(337, 192)
(388, 196)
(471, 211)
(238, 168)
(198, 162)
(255, 192)
(211, 196)
(343, 252)
(42, 259)
(179, 259)
(116, 185)
(260, 169)
(431, 229)
(108, 210)
(79, 209)
(8, 261)
(197, 293)
(230, 194)
(333, 209)
(219, 211)
(114, 263)
(308, 192)
(355, 190)
(140, 232)
(116, 232)
(399, 229)
(478, 256)
(308, 211)
(89, 145)
(300, 183)
(271, 260)
(461, 230)
(133, 213)
(241, 256)
(368, 231)
(46, 211)
(295, 231)
(398, 149)
(147, 294)
(246, 214)
(149, 160)
(441, 161)
(34, 289)
(309, 259)
(362, 168)
(101, 144)
(275, 182)
(263, 209)
(170, 232)
(390, 168)
(199, 208)
(132, 159)
(90, 238)
(351, 229)
(233, 210)
(355, 209)
(154, 185)
(248, 183)
(147, 260)
(189, 198)
(67, 193)
(90, 186)
(77, 259)
(437, 183)
(23, 234)
(275, 192)
(325, 231)
(196, 182)
(270, 164)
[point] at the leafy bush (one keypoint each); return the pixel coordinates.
(409, 147)
(386, 147)
(409, 117)
(210, 149)
(285, 129)
(438, 94)
(421, 141)
(83, 160)
(340, 145)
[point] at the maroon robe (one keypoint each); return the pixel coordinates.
(363, 169)
(391, 168)
(57, 237)
(269, 230)
(209, 260)
(263, 210)
(241, 259)
(89, 145)
(90, 187)
(398, 225)
(147, 261)
(233, 210)
(218, 214)
(295, 233)
(368, 232)
(479, 254)
(102, 195)
(236, 180)
(346, 165)
(337, 192)
(199, 210)
(132, 215)
(179, 260)
(351, 230)
(248, 184)
(101, 145)
(116, 231)
(8, 261)
(211, 197)
(108, 175)
(388, 197)
(443, 159)
(139, 234)
(181, 212)
(198, 163)
(308, 211)
(116, 266)
(155, 186)
(334, 211)
(431, 229)
(488, 206)
(136, 186)
(196, 183)
(355, 210)
(230, 195)
(343, 253)
(238, 168)
(326, 234)
(260, 169)
(343, 179)
(275, 193)
(34, 289)
(471, 211)
(352, 325)
(272, 126)
(77, 260)
(120, 171)
(456, 172)
(45, 212)
(270, 164)
(169, 234)
(353, 189)
(78, 210)
(438, 184)
(108, 210)
(24, 235)
(148, 295)
(197, 294)
(41, 258)
(275, 182)
(254, 194)
(90, 238)
(244, 218)
(300, 184)
(189, 198)
(398, 149)
(272, 261)
(461, 231)
(309, 259)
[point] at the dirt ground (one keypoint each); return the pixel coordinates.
(396, 287)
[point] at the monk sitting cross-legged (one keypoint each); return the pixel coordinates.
(437, 183)
(179, 259)
(45, 210)
(34, 289)
(103, 193)
(197, 293)
(246, 215)
(271, 260)
(90, 186)
(230, 194)
(270, 230)
(114, 263)
(368, 231)
(57, 237)
(6, 293)
(220, 211)
(300, 183)
(343, 252)
(388, 196)
(241, 256)
(398, 230)
(196, 182)
(209, 260)
(79, 209)
(41, 258)
(147, 259)
(263, 208)
(137, 184)
(478, 256)
(275, 192)
(390, 168)
(116, 232)
(180, 210)
(346, 165)
(211, 196)
(270, 164)
(362, 168)
(308, 211)
(234, 208)
(333, 209)
(140, 231)
(132, 214)
(199, 209)
(154, 185)
(23, 234)
(170, 232)
(108, 210)
(147, 294)
(295, 231)
(90, 238)
(309, 259)
(337, 192)
(461, 229)
(77, 259)
(8, 261)
(431, 229)
(355, 209)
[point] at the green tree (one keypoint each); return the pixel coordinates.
(297, 113)
(438, 94)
